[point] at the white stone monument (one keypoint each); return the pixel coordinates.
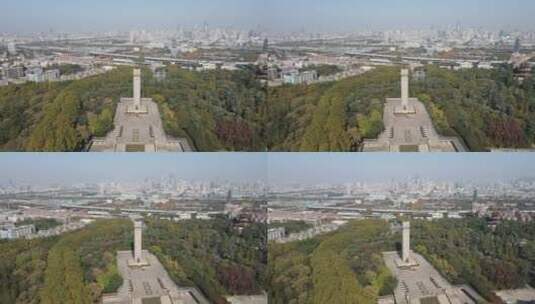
(137, 87)
(405, 106)
(406, 259)
(405, 88)
(138, 256)
(406, 244)
(137, 105)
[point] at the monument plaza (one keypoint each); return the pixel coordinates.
(145, 280)
(419, 282)
(409, 128)
(138, 127)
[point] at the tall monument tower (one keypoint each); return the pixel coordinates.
(406, 259)
(137, 105)
(138, 242)
(138, 257)
(405, 89)
(406, 244)
(137, 88)
(404, 104)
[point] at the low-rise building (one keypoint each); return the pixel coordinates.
(35, 74)
(275, 234)
(13, 72)
(51, 75)
(10, 231)
(159, 72)
(419, 74)
(296, 77)
(272, 73)
(485, 66)
(465, 65)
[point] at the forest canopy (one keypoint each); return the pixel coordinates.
(346, 266)
(215, 110)
(485, 108)
(222, 110)
(78, 267)
(343, 267)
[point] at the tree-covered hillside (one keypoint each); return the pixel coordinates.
(343, 267)
(486, 108)
(212, 255)
(231, 110)
(469, 252)
(332, 116)
(80, 266)
(73, 268)
(346, 266)
(215, 110)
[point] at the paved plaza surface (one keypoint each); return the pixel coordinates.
(424, 282)
(138, 132)
(150, 284)
(513, 296)
(410, 132)
(258, 299)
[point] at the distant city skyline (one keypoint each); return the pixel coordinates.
(338, 168)
(278, 15)
(73, 168)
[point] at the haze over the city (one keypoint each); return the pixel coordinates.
(347, 15)
(100, 15)
(331, 168)
(279, 15)
(68, 169)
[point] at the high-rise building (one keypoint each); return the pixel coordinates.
(266, 45)
(517, 46)
(12, 48)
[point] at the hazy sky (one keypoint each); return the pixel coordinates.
(313, 168)
(71, 168)
(90, 15)
(277, 168)
(345, 15)
(287, 15)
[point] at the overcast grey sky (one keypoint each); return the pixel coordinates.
(285, 15)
